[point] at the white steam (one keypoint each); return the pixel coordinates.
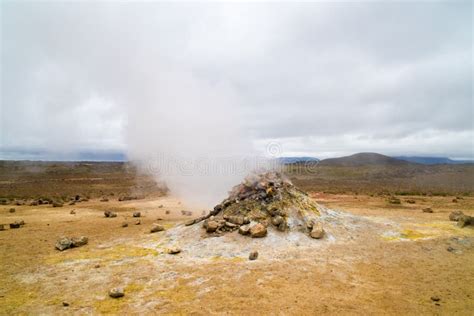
(187, 133)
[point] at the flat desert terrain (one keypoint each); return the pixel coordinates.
(376, 257)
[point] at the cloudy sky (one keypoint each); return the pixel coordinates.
(316, 79)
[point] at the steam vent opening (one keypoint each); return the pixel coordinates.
(261, 202)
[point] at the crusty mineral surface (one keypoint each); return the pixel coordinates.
(262, 201)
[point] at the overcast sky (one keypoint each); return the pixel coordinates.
(317, 79)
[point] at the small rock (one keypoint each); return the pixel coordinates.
(137, 214)
(253, 255)
(455, 215)
(72, 203)
(63, 243)
(14, 225)
(124, 225)
(12, 210)
(427, 210)
(72, 212)
(104, 199)
(79, 241)
(137, 222)
(156, 228)
(258, 230)
(211, 226)
(2, 227)
(21, 222)
(455, 200)
(450, 249)
(230, 225)
(116, 292)
(167, 212)
(244, 229)
(317, 232)
(189, 222)
(107, 213)
(97, 266)
(57, 204)
(65, 304)
(277, 220)
(465, 220)
(113, 214)
(173, 250)
(435, 298)
(161, 206)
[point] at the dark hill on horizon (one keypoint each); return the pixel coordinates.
(364, 159)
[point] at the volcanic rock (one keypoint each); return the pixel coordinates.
(253, 255)
(116, 292)
(244, 229)
(317, 231)
(258, 230)
(173, 250)
(79, 241)
(454, 216)
(63, 243)
(465, 220)
(14, 225)
(265, 199)
(156, 228)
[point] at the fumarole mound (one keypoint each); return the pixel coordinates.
(264, 201)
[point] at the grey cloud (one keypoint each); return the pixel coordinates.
(319, 78)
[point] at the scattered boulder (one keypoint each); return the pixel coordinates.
(317, 231)
(173, 250)
(394, 200)
(253, 255)
(15, 225)
(137, 214)
(12, 210)
(65, 304)
(258, 230)
(79, 241)
(63, 243)
(110, 214)
(455, 215)
(156, 228)
(116, 292)
(427, 210)
(465, 220)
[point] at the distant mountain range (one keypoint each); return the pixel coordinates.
(291, 160)
(362, 159)
(433, 160)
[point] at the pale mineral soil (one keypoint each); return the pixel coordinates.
(376, 259)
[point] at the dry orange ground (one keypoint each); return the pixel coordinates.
(371, 275)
